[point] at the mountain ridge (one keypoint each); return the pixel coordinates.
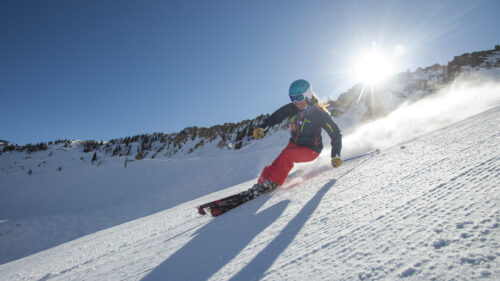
(356, 106)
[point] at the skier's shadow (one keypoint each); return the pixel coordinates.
(218, 242)
(262, 262)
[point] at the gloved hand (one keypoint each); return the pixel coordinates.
(258, 133)
(336, 161)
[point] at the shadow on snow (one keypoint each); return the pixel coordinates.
(218, 242)
(262, 262)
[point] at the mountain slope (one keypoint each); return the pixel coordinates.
(427, 208)
(53, 206)
(362, 103)
(358, 105)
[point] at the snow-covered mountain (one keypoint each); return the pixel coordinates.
(426, 207)
(358, 105)
(363, 103)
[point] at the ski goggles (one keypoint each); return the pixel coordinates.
(300, 97)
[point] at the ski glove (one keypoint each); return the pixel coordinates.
(258, 133)
(336, 161)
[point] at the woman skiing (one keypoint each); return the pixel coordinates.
(307, 118)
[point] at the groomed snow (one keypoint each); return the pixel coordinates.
(426, 207)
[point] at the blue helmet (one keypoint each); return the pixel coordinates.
(299, 90)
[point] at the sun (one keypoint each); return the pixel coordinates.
(373, 68)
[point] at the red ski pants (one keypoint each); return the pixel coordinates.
(279, 169)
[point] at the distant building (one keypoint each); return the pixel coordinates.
(4, 143)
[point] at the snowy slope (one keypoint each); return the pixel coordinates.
(364, 103)
(51, 207)
(426, 207)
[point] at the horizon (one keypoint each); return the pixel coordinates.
(96, 71)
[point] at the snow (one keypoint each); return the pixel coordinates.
(426, 207)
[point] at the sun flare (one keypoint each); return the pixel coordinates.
(372, 68)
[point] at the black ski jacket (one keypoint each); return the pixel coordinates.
(306, 126)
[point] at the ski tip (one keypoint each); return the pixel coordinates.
(215, 212)
(201, 211)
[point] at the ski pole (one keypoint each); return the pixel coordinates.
(361, 155)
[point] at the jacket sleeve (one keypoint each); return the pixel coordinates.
(279, 115)
(333, 131)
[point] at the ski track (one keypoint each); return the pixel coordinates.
(420, 218)
(433, 215)
(440, 220)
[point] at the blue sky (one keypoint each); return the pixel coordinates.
(110, 69)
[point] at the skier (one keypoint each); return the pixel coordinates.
(307, 117)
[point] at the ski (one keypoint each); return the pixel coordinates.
(220, 206)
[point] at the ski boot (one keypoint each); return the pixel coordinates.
(262, 188)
